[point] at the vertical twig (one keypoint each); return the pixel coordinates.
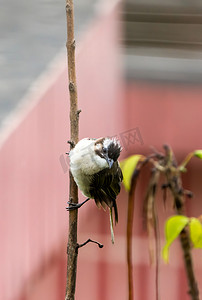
(129, 240)
(131, 204)
(74, 130)
(151, 216)
(130, 216)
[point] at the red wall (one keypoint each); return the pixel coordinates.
(34, 179)
(165, 114)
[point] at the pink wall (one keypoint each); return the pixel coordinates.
(166, 114)
(34, 185)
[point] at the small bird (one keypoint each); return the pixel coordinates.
(95, 168)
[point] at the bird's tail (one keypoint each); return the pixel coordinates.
(111, 225)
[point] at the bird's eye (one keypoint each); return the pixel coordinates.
(104, 150)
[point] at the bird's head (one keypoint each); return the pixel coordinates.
(108, 149)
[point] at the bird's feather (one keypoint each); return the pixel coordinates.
(111, 226)
(104, 189)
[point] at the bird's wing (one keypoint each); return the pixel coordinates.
(106, 186)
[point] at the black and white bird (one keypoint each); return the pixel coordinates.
(95, 168)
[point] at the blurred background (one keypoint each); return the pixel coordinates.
(163, 40)
(139, 72)
(32, 34)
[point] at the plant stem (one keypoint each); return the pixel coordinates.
(131, 204)
(129, 242)
(174, 181)
(186, 247)
(185, 243)
(74, 132)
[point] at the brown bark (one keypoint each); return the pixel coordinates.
(74, 132)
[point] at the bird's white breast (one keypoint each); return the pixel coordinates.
(84, 163)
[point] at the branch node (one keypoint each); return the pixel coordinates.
(73, 44)
(68, 8)
(70, 199)
(78, 113)
(71, 87)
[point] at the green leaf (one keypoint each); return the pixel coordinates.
(174, 225)
(128, 166)
(198, 153)
(196, 232)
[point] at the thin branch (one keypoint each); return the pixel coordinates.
(151, 219)
(88, 241)
(129, 239)
(131, 204)
(74, 133)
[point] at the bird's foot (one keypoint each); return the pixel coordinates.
(73, 206)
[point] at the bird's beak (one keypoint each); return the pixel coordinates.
(109, 161)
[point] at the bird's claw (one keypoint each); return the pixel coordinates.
(72, 206)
